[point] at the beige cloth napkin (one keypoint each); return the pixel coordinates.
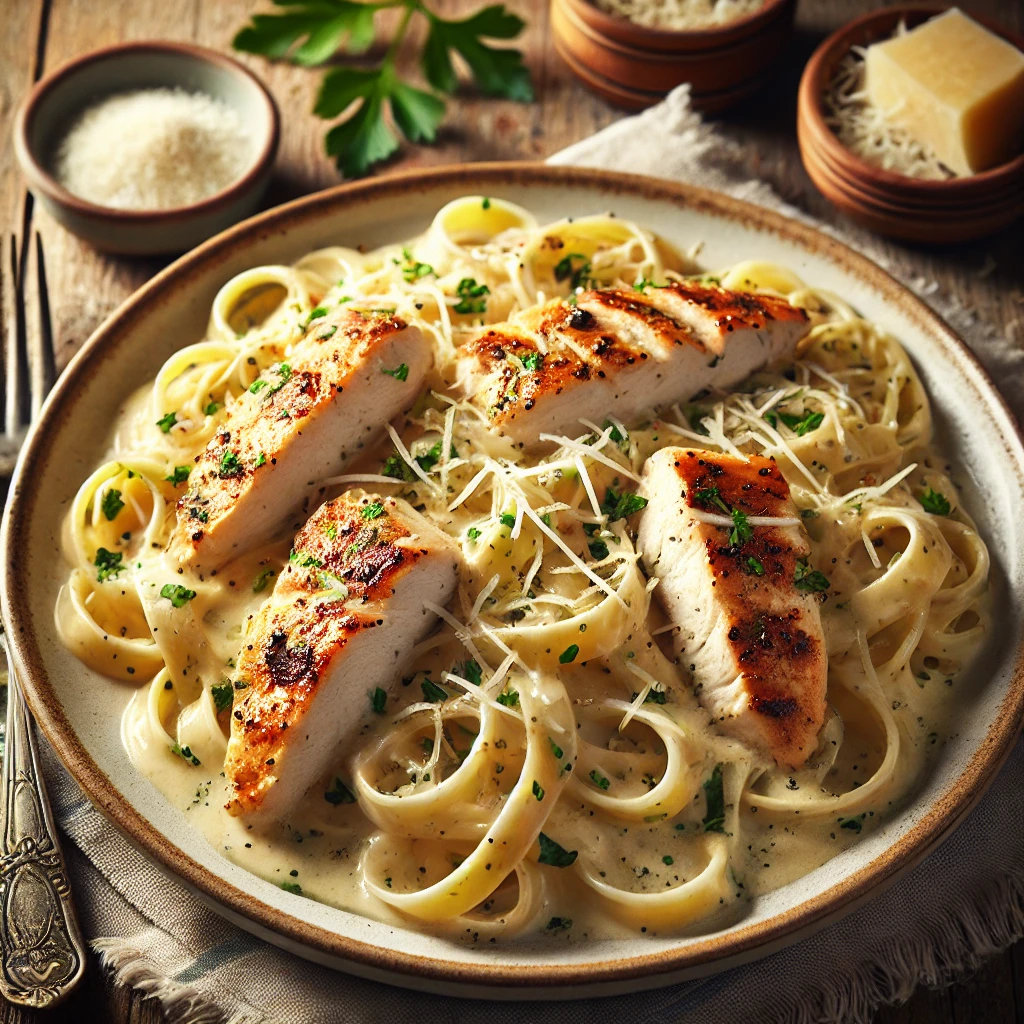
(964, 903)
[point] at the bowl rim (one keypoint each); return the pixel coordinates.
(942, 816)
(626, 32)
(40, 178)
(810, 112)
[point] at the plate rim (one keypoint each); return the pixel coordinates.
(702, 954)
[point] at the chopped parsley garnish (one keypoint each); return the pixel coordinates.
(714, 820)
(754, 566)
(538, 790)
(575, 268)
(655, 696)
(292, 887)
(315, 314)
(179, 476)
(199, 513)
(112, 504)
(260, 583)
(401, 372)
(471, 296)
(508, 698)
(211, 408)
(853, 824)
(473, 533)
(935, 503)
(598, 548)
(413, 270)
(621, 439)
(621, 504)
(258, 385)
(166, 422)
(339, 793)
(397, 468)
(186, 753)
(552, 853)
(485, 204)
(668, 860)
(741, 530)
(373, 511)
(223, 694)
(430, 458)
(710, 497)
(507, 519)
(470, 671)
(532, 361)
(108, 564)
(328, 332)
(261, 460)
(559, 924)
(178, 595)
(556, 750)
(304, 561)
(230, 465)
(433, 692)
(599, 780)
(806, 578)
(644, 283)
(569, 654)
(801, 424)
(378, 700)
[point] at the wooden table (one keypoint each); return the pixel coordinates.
(82, 287)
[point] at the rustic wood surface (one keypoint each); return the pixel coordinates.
(82, 287)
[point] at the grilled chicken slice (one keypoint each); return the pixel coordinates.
(743, 595)
(555, 364)
(300, 421)
(345, 612)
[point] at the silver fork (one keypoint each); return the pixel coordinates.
(42, 953)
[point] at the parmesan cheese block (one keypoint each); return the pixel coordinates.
(955, 86)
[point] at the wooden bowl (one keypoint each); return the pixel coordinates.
(955, 210)
(635, 66)
(62, 94)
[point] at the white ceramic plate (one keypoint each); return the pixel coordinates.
(79, 711)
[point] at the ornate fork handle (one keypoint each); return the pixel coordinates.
(42, 954)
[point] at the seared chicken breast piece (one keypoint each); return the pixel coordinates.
(627, 352)
(300, 421)
(345, 613)
(743, 595)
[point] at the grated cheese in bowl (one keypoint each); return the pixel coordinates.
(681, 15)
(864, 130)
(153, 149)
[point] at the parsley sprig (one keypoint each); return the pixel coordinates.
(310, 32)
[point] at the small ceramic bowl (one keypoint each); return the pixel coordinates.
(57, 98)
(955, 210)
(634, 66)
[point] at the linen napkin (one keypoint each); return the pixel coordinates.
(964, 903)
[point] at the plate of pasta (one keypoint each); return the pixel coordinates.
(508, 579)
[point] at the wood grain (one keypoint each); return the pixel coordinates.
(84, 287)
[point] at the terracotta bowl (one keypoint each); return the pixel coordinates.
(893, 204)
(634, 66)
(61, 95)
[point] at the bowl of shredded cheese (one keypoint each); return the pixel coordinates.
(909, 120)
(633, 52)
(148, 147)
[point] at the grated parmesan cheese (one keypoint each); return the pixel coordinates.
(681, 15)
(864, 130)
(153, 149)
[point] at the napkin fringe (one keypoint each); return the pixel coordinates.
(181, 1004)
(994, 922)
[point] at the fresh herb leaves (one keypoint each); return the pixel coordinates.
(432, 692)
(709, 497)
(401, 372)
(574, 268)
(379, 700)
(178, 476)
(310, 32)
(508, 698)
(599, 780)
(472, 296)
(373, 511)
(223, 694)
(108, 564)
(230, 465)
(167, 421)
(806, 578)
(553, 853)
(178, 595)
(714, 796)
(568, 656)
(741, 530)
(620, 504)
(935, 502)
